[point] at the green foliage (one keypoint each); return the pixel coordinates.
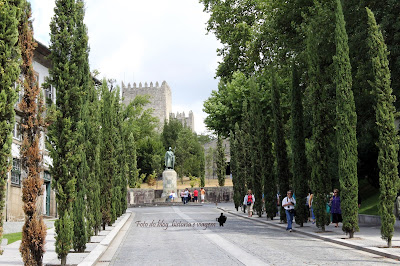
(9, 71)
(367, 135)
(80, 229)
(388, 140)
(282, 162)
(210, 162)
(131, 159)
(189, 154)
(107, 153)
(170, 133)
(68, 46)
(151, 179)
(300, 174)
(257, 132)
(237, 198)
(319, 56)
(64, 226)
(193, 181)
(346, 122)
(150, 155)
(224, 107)
(238, 174)
(245, 150)
(370, 205)
(232, 23)
(221, 164)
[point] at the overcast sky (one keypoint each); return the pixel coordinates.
(148, 40)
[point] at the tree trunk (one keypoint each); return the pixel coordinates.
(63, 260)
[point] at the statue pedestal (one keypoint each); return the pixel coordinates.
(169, 177)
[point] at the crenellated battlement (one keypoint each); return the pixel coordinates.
(151, 85)
(187, 121)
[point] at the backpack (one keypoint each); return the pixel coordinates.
(249, 200)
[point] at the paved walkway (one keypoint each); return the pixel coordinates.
(367, 239)
(94, 249)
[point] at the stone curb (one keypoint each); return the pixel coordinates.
(335, 241)
(96, 253)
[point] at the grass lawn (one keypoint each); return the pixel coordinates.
(369, 205)
(13, 237)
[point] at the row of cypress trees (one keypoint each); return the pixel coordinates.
(90, 137)
(329, 153)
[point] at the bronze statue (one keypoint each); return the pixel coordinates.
(169, 159)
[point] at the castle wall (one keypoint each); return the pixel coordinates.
(160, 98)
(185, 120)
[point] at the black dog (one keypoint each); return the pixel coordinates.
(221, 219)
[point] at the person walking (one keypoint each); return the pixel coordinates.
(335, 208)
(195, 195)
(310, 204)
(185, 196)
(202, 194)
(288, 203)
(249, 200)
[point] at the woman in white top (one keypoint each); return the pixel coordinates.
(249, 200)
(288, 203)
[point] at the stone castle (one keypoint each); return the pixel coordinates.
(185, 120)
(160, 101)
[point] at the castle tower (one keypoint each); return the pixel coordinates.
(160, 98)
(187, 121)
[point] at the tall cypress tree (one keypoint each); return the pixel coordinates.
(67, 77)
(80, 58)
(221, 164)
(240, 166)
(121, 181)
(133, 172)
(107, 153)
(346, 122)
(282, 162)
(300, 179)
(237, 199)
(321, 121)
(256, 138)
(9, 71)
(245, 147)
(388, 140)
(32, 124)
(92, 149)
(80, 227)
(268, 176)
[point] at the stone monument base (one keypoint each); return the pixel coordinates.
(169, 177)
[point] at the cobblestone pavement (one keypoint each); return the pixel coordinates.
(178, 235)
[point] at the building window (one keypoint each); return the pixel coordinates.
(47, 176)
(16, 172)
(49, 93)
(17, 131)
